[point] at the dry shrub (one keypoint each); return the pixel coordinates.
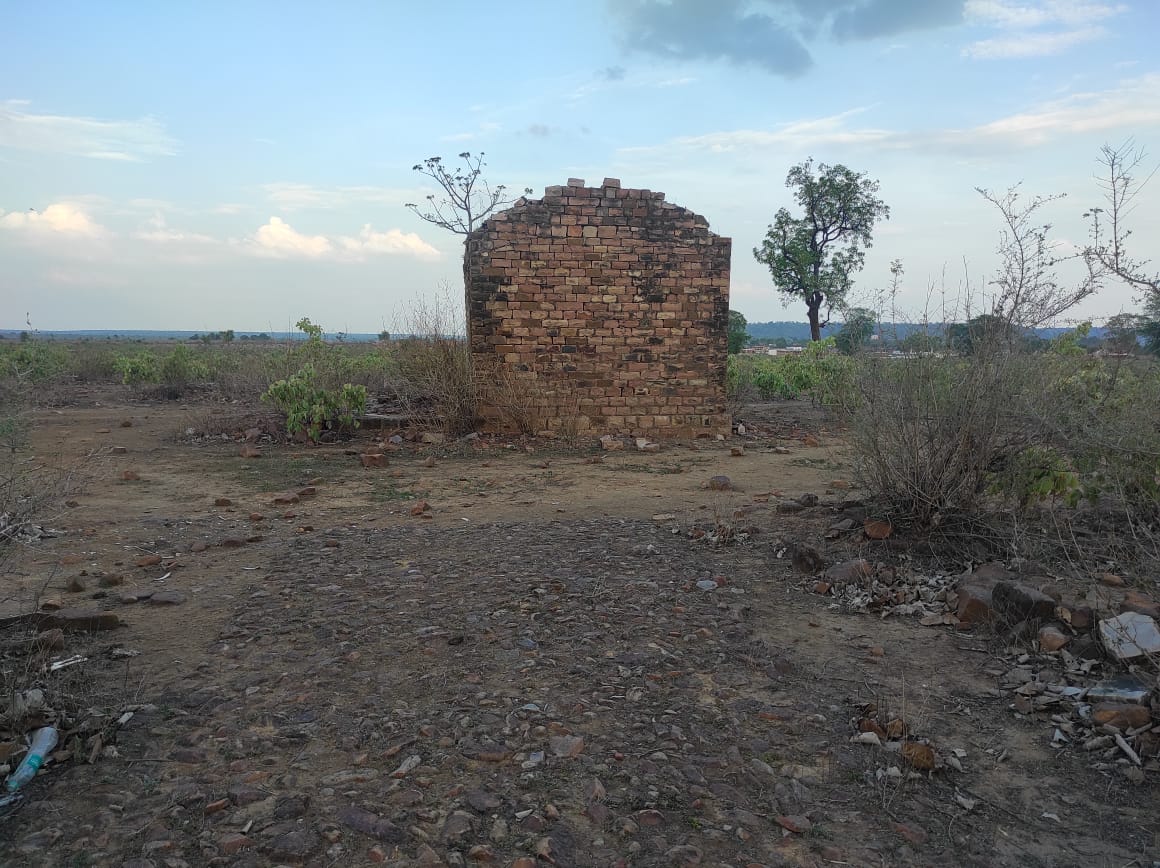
(1039, 449)
(93, 362)
(572, 424)
(436, 384)
(242, 372)
(925, 432)
(32, 490)
(1047, 455)
(501, 391)
(439, 383)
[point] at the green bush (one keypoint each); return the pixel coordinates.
(137, 369)
(310, 408)
(817, 372)
(334, 364)
(176, 370)
(1103, 415)
(180, 368)
(32, 361)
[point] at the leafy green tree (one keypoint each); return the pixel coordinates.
(738, 337)
(986, 329)
(1123, 331)
(856, 331)
(814, 257)
(1150, 327)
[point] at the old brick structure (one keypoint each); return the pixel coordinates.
(601, 310)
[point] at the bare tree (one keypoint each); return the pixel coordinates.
(467, 199)
(1108, 233)
(1029, 293)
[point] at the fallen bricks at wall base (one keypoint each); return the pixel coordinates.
(600, 310)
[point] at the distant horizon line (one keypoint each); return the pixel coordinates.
(339, 331)
(297, 333)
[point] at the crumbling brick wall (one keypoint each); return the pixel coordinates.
(601, 310)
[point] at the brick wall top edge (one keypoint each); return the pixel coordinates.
(617, 195)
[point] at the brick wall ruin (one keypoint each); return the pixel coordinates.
(601, 310)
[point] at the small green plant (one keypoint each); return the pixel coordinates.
(310, 408)
(313, 332)
(1037, 474)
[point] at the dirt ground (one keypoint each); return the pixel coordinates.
(525, 673)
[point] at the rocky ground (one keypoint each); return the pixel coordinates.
(515, 653)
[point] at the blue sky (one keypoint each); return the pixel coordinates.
(239, 165)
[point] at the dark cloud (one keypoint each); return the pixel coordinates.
(877, 18)
(540, 130)
(613, 73)
(712, 30)
(769, 34)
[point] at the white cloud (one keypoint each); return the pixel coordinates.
(292, 196)
(1031, 44)
(1037, 13)
(802, 134)
(1036, 28)
(1133, 105)
(133, 141)
(279, 239)
(64, 218)
(391, 242)
(159, 233)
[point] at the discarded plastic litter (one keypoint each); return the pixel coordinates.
(69, 661)
(43, 741)
(1126, 688)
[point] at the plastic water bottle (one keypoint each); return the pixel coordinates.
(43, 741)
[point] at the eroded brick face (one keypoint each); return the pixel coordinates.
(605, 310)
